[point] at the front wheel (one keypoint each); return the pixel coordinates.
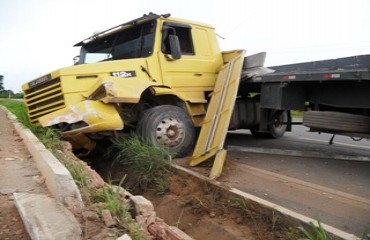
(168, 126)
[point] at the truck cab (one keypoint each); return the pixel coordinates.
(123, 72)
(154, 75)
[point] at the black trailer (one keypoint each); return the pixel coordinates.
(334, 94)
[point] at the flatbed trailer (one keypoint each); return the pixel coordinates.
(334, 94)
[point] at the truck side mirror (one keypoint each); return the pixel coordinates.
(76, 60)
(175, 46)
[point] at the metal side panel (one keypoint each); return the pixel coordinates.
(215, 125)
(346, 63)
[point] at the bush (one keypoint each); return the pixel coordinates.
(145, 163)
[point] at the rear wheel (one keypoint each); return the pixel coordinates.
(276, 127)
(168, 126)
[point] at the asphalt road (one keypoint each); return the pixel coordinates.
(303, 172)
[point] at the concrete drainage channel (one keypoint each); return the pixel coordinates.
(67, 199)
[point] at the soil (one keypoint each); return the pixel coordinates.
(199, 209)
(17, 174)
(204, 211)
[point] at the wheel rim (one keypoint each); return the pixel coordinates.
(170, 132)
(277, 122)
(277, 126)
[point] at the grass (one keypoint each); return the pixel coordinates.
(147, 166)
(366, 233)
(273, 220)
(316, 232)
(19, 110)
(296, 113)
(145, 163)
(47, 136)
(241, 204)
(107, 197)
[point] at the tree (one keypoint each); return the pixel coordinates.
(1, 83)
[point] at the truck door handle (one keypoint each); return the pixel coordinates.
(198, 74)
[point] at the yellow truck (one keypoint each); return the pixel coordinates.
(154, 75)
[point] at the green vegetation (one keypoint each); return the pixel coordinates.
(19, 110)
(47, 136)
(296, 113)
(9, 94)
(366, 233)
(107, 197)
(145, 163)
(316, 232)
(110, 198)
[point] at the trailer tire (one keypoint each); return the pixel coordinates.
(275, 130)
(337, 121)
(168, 126)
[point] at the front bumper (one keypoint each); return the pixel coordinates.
(85, 117)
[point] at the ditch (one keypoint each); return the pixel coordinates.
(200, 209)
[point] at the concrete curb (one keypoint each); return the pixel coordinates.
(46, 218)
(269, 206)
(63, 188)
(57, 178)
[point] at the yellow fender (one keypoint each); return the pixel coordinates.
(118, 90)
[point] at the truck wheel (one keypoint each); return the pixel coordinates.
(337, 121)
(168, 126)
(275, 128)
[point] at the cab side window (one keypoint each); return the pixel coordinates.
(183, 32)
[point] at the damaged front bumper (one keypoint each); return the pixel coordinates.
(84, 117)
(75, 121)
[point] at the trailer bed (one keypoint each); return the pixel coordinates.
(355, 68)
(337, 84)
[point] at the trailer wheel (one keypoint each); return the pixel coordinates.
(168, 126)
(278, 124)
(276, 127)
(337, 121)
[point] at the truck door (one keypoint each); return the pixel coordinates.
(195, 72)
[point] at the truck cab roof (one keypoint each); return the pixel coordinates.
(144, 18)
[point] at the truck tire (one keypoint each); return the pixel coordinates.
(168, 126)
(275, 128)
(337, 121)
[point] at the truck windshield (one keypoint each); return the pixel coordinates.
(134, 42)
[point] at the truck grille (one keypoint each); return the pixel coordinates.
(44, 98)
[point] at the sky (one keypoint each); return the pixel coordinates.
(37, 36)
